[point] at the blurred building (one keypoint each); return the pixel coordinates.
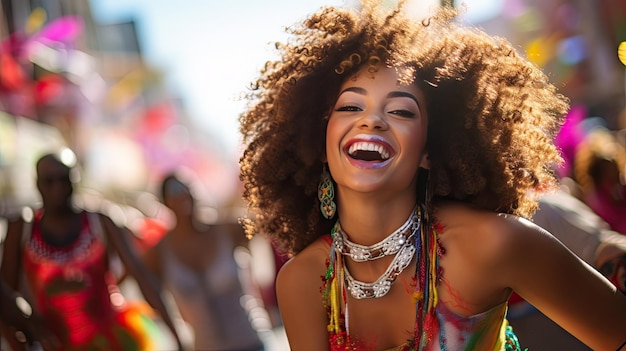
(66, 80)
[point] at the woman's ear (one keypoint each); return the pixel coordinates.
(425, 161)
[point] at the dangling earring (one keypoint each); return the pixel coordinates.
(326, 195)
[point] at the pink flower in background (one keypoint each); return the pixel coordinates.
(570, 136)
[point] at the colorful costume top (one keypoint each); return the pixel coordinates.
(77, 295)
(210, 299)
(437, 328)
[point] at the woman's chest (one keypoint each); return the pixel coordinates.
(469, 282)
(382, 323)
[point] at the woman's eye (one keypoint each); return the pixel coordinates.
(403, 113)
(348, 108)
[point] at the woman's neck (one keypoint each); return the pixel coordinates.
(59, 211)
(368, 221)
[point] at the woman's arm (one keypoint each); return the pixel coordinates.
(298, 288)
(9, 274)
(11, 254)
(13, 318)
(17, 314)
(148, 284)
(152, 260)
(565, 288)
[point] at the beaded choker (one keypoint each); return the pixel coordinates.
(398, 243)
(388, 246)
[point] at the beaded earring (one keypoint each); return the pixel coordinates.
(326, 195)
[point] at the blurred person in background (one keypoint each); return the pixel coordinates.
(195, 262)
(64, 254)
(599, 170)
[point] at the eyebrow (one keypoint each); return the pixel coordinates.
(357, 90)
(393, 94)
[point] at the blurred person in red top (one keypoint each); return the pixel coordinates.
(63, 253)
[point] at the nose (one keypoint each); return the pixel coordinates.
(373, 120)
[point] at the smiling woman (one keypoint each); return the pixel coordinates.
(429, 142)
(373, 148)
(388, 118)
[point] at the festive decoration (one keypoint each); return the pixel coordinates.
(36, 44)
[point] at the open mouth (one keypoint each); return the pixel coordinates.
(369, 151)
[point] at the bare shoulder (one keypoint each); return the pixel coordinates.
(491, 247)
(521, 236)
(485, 232)
(306, 268)
(474, 234)
(298, 288)
(489, 254)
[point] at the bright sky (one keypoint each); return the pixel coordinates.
(211, 50)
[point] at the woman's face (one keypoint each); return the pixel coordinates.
(377, 134)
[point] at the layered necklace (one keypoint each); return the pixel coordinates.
(398, 243)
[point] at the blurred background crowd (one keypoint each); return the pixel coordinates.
(69, 79)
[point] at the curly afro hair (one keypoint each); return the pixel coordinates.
(492, 115)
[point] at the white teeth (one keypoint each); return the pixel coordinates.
(367, 146)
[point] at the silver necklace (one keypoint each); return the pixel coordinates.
(386, 247)
(402, 259)
(382, 285)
